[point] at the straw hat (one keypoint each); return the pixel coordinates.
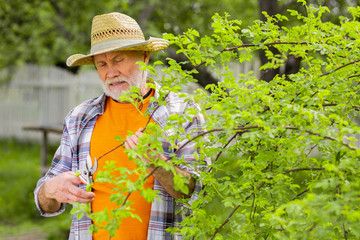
(113, 32)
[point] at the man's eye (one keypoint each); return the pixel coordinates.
(99, 65)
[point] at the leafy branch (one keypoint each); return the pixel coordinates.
(340, 67)
(248, 45)
(258, 188)
(270, 141)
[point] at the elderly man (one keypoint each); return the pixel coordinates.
(117, 43)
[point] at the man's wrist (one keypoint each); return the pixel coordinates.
(46, 202)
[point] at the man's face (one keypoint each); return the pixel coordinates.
(118, 71)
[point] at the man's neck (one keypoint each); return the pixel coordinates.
(145, 92)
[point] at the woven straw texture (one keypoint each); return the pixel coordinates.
(114, 26)
(116, 32)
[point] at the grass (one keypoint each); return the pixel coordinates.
(19, 217)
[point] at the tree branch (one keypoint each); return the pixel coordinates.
(233, 212)
(338, 68)
(357, 108)
(344, 230)
(225, 146)
(259, 187)
(254, 127)
(253, 45)
(203, 76)
(326, 137)
(301, 193)
(304, 169)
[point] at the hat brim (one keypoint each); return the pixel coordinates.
(152, 45)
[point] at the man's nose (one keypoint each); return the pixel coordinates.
(113, 72)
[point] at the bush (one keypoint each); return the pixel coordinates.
(271, 185)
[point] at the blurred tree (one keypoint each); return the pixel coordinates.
(273, 7)
(46, 32)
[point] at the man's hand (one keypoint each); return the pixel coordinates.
(62, 189)
(133, 140)
(164, 177)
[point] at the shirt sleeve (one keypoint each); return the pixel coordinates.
(61, 163)
(188, 149)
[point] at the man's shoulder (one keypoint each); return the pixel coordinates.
(89, 107)
(180, 101)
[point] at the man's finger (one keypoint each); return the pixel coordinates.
(81, 193)
(138, 134)
(131, 142)
(77, 194)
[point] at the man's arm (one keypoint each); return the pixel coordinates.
(164, 177)
(62, 189)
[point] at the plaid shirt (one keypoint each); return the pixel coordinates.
(75, 146)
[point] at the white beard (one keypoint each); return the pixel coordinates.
(137, 79)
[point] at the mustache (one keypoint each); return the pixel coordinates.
(115, 80)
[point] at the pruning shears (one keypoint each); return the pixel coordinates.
(86, 173)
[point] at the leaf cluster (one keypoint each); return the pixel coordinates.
(285, 156)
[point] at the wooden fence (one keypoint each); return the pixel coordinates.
(42, 96)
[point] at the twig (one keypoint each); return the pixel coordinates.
(260, 186)
(353, 76)
(343, 112)
(326, 137)
(304, 169)
(252, 45)
(312, 148)
(301, 193)
(343, 227)
(233, 212)
(225, 146)
(338, 68)
(216, 130)
(357, 108)
(253, 208)
(312, 228)
(265, 44)
(225, 222)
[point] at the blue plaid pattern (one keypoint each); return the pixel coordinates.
(75, 146)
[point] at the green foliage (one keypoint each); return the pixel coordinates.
(285, 153)
(18, 176)
(292, 160)
(48, 31)
(19, 172)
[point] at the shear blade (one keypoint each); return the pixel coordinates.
(88, 162)
(93, 168)
(84, 179)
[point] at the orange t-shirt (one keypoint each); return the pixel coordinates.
(117, 120)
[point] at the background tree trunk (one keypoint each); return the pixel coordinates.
(292, 64)
(204, 77)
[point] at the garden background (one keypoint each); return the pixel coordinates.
(45, 33)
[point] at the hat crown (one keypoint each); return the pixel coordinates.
(113, 26)
(116, 32)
